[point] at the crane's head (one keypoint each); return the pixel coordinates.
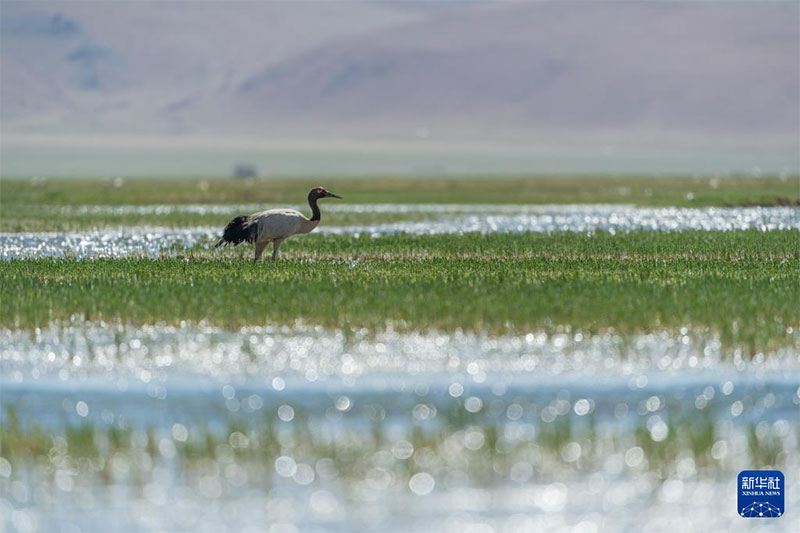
(320, 192)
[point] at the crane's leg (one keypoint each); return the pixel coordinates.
(275, 245)
(259, 250)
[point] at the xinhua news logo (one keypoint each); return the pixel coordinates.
(761, 494)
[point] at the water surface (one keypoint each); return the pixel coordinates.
(154, 241)
(306, 429)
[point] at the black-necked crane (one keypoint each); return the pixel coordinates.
(273, 225)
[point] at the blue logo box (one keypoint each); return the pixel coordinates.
(761, 494)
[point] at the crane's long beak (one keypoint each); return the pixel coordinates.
(334, 195)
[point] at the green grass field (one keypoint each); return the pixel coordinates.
(672, 191)
(743, 285)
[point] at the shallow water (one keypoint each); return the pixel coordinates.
(590, 218)
(154, 241)
(298, 429)
(133, 241)
(311, 354)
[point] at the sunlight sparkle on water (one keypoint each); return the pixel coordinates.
(155, 241)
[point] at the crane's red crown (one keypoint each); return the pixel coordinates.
(321, 192)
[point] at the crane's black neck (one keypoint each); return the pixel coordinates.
(312, 201)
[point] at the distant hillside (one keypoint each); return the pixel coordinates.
(716, 82)
(713, 68)
(139, 67)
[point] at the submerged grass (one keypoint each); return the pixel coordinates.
(484, 446)
(745, 285)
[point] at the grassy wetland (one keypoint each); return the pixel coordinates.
(63, 205)
(744, 285)
(439, 351)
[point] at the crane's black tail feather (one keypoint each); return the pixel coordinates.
(238, 230)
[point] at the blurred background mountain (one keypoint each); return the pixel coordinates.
(410, 87)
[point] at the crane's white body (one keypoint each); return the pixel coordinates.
(281, 224)
(277, 225)
(273, 225)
